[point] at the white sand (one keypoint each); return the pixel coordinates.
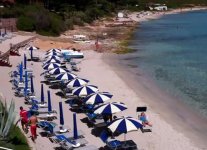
(107, 78)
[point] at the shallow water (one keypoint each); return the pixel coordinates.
(173, 52)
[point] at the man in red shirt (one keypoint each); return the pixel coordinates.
(24, 118)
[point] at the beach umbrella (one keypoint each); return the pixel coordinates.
(31, 48)
(25, 61)
(57, 71)
(124, 125)
(21, 72)
(77, 82)
(51, 66)
(61, 113)
(52, 57)
(49, 101)
(97, 98)
(53, 60)
(75, 129)
(110, 108)
(32, 85)
(25, 84)
(42, 94)
(65, 76)
(85, 90)
(54, 50)
(53, 53)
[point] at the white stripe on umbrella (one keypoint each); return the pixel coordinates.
(65, 76)
(77, 82)
(51, 66)
(110, 108)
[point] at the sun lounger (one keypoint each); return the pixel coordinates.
(51, 127)
(88, 147)
(110, 143)
(67, 143)
(48, 117)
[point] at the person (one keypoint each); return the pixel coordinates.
(24, 118)
(33, 125)
(144, 119)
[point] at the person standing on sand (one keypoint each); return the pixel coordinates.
(33, 125)
(24, 119)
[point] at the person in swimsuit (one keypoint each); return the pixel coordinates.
(33, 125)
(144, 119)
(24, 118)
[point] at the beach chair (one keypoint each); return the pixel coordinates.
(67, 143)
(88, 147)
(139, 110)
(110, 143)
(52, 128)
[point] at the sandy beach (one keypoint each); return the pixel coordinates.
(175, 126)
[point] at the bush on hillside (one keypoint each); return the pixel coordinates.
(25, 23)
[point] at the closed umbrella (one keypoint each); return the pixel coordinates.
(49, 102)
(25, 61)
(75, 129)
(32, 85)
(26, 84)
(21, 72)
(42, 94)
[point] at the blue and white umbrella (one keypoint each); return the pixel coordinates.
(53, 60)
(54, 50)
(57, 71)
(124, 125)
(97, 98)
(53, 54)
(65, 76)
(77, 82)
(85, 90)
(52, 57)
(32, 48)
(51, 66)
(110, 108)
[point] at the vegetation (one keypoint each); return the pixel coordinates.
(10, 134)
(51, 17)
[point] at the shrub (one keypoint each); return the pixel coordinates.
(25, 23)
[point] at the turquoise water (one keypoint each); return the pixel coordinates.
(173, 51)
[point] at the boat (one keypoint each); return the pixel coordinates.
(80, 39)
(69, 54)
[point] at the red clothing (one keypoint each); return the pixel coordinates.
(23, 115)
(33, 129)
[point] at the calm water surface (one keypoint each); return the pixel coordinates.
(173, 51)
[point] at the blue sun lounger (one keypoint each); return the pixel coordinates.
(67, 143)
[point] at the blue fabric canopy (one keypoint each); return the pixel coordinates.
(85, 90)
(75, 128)
(32, 85)
(97, 98)
(61, 113)
(110, 108)
(25, 61)
(125, 124)
(49, 102)
(42, 94)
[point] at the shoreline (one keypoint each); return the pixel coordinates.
(180, 116)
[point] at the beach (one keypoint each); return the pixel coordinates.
(175, 126)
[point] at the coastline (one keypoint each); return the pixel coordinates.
(183, 119)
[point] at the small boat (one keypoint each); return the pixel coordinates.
(80, 39)
(68, 54)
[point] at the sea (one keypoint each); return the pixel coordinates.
(172, 51)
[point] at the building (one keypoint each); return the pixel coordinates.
(157, 7)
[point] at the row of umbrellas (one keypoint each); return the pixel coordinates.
(91, 95)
